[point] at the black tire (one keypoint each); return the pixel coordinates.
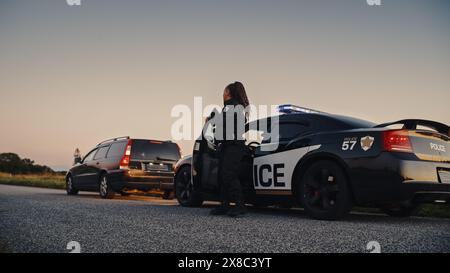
(70, 188)
(324, 191)
(184, 191)
(284, 206)
(259, 204)
(105, 190)
(167, 195)
(404, 209)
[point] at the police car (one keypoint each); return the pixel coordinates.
(329, 163)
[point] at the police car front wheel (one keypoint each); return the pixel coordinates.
(184, 190)
(324, 191)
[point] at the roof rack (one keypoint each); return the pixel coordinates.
(294, 109)
(113, 139)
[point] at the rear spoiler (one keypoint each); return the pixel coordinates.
(411, 124)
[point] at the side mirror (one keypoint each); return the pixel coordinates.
(211, 116)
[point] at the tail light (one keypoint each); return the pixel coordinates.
(125, 161)
(397, 141)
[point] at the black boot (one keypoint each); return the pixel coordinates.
(222, 209)
(237, 211)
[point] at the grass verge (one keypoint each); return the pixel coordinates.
(434, 210)
(42, 181)
(426, 210)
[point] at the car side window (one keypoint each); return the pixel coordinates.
(290, 130)
(116, 150)
(101, 153)
(89, 156)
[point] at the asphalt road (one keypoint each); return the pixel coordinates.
(45, 220)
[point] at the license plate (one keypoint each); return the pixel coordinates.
(156, 167)
(444, 176)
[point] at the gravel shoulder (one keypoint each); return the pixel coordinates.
(45, 220)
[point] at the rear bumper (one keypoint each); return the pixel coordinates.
(137, 180)
(393, 177)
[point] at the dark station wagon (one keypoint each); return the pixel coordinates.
(124, 165)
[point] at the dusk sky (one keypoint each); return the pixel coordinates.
(71, 76)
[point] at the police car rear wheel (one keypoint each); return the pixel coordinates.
(324, 191)
(184, 191)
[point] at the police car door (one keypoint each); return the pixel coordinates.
(274, 161)
(210, 161)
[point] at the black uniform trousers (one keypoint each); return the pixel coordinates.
(230, 159)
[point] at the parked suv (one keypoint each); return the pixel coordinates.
(123, 165)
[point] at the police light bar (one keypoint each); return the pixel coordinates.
(294, 109)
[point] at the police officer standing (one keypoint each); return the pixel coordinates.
(231, 147)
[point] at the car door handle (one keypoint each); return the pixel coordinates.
(97, 163)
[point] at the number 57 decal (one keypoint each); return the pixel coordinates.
(349, 143)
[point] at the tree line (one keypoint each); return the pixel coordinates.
(13, 164)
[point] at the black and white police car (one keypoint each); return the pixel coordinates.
(329, 163)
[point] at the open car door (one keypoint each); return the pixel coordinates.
(209, 167)
(209, 158)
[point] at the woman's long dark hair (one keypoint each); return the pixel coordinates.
(237, 92)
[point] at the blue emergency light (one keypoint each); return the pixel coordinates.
(294, 109)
